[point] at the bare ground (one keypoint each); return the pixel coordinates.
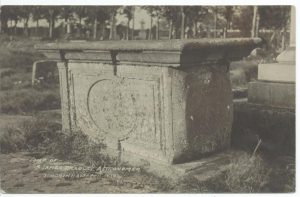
(20, 174)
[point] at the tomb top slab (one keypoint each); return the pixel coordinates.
(173, 53)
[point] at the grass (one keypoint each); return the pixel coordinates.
(28, 101)
(11, 79)
(247, 174)
(45, 138)
(17, 96)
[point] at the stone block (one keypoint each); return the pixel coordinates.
(277, 72)
(272, 94)
(164, 101)
(44, 71)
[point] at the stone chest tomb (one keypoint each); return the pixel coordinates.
(163, 101)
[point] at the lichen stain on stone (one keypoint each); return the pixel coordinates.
(206, 103)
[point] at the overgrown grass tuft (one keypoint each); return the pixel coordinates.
(43, 137)
(247, 174)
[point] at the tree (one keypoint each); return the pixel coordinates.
(254, 21)
(242, 20)
(182, 22)
(215, 20)
(51, 13)
(0, 20)
(129, 13)
(274, 17)
(195, 14)
(3, 20)
(171, 13)
(6, 15)
(66, 12)
(157, 12)
(81, 12)
(13, 13)
(227, 12)
(149, 10)
(25, 13)
(112, 10)
(37, 14)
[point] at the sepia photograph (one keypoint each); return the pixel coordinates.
(159, 99)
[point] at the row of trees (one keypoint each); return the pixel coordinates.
(247, 19)
(93, 14)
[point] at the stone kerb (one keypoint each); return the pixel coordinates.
(43, 71)
(163, 101)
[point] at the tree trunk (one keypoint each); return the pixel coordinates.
(127, 30)
(208, 32)
(0, 21)
(227, 26)
(37, 27)
(112, 26)
(150, 30)
(182, 23)
(3, 26)
(26, 33)
(103, 31)
(15, 27)
(69, 27)
(170, 29)
(65, 25)
(215, 21)
(3, 22)
(195, 29)
(132, 31)
(257, 25)
(224, 32)
(157, 28)
(50, 29)
(254, 21)
(11, 27)
(51, 23)
(283, 39)
(95, 28)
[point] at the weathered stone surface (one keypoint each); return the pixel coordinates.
(44, 71)
(277, 72)
(272, 94)
(173, 53)
(130, 94)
